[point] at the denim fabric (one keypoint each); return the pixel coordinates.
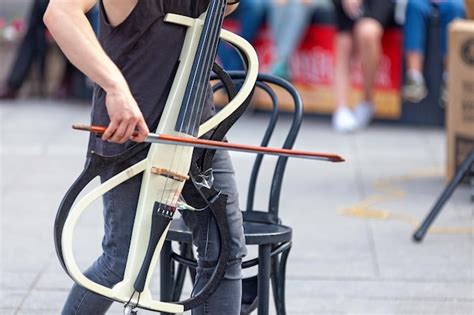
(417, 20)
(119, 215)
(32, 48)
(251, 14)
(289, 23)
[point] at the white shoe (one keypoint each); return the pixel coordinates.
(343, 120)
(363, 114)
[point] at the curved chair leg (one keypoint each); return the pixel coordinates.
(280, 300)
(180, 274)
(275, 278)
(264, 268)
(166, 273)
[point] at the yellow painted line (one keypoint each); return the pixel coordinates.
(389, 191)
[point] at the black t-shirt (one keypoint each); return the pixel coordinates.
(146, 50)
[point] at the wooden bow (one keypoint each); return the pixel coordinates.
(219, 145)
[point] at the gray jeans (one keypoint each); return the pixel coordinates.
(289, 23)
(119, 214)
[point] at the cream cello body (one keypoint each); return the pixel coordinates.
(155, 187)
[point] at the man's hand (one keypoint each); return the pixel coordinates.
(353, 8)
(67, 22)
(125, 117)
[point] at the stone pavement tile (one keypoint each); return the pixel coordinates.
(409, 205)
(37, 259)
(439, 257)
(398, 171)
(37, 115)
(15, 136)
(369, 306)
(322, 296)
(45, 301)
(17, 280)
(54, 281)
(379, 289)
(44, 173)
(16, 150)
(436, 143)
(11, 299)
(381, 155)
(30, 312)
(69, 143)
(28, 249)
(55, 278)
(332, 249)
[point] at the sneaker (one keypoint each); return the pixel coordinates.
(343, 120)
(363, 114)
(280, 69)
(415, 89)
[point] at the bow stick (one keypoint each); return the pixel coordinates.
(219, 145)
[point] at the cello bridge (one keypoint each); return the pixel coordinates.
(169, 174)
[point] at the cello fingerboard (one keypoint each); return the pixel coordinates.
(194, 100)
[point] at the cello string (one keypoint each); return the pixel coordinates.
(203, 55)
(196, 111)
(217, 13)
(201, 67)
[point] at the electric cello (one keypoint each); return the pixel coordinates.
(168, 167)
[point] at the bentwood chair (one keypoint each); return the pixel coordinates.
(262, 228)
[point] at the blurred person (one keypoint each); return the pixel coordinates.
(418, 14)
(250, 14)
(360, 27)
(32, 51)
(289, 21)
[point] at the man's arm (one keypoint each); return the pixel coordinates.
(67, 22)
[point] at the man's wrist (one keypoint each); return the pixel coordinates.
(115, 84)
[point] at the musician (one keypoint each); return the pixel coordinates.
(132, 64)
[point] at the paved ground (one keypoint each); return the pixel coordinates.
(352, 250)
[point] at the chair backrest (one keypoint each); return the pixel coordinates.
(265, 83)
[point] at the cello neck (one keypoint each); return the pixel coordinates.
(194, 100)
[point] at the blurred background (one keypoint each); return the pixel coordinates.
(395, 98)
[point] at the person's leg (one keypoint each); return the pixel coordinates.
(249, 14)
(119, 215)
(343, 118)
(343, 51)
(290, 22)
(227, 298)
(368, 33)
(416, 27)
(448, 11)
(32, 43)
(41, 45)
